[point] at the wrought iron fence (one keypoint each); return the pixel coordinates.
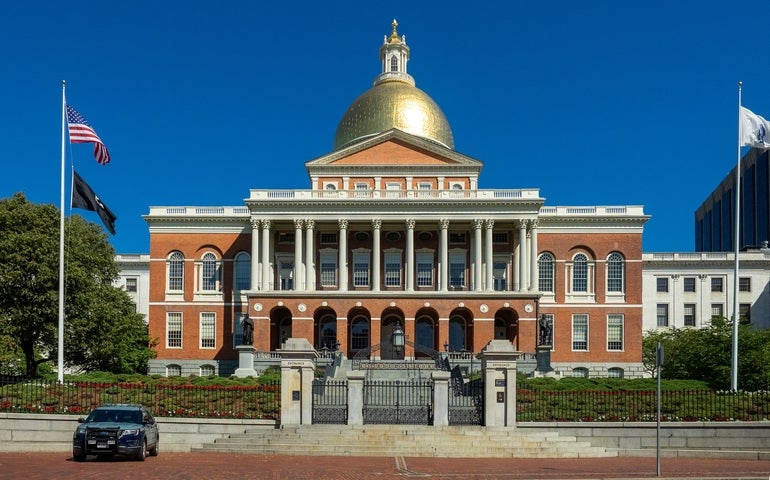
(178, 400)
(466, 403)
(640, 406)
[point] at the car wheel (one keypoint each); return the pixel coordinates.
(154, 449)
(79, 457)
(142, 454)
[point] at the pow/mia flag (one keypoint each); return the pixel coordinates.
(84, 197)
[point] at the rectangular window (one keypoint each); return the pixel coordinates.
(744, 284)
(457, 237)
(329, 269)
(361, 269)
(717, 310)
(716, 284)
(173, 330)
(689, 315)
(286, 237)
(500, 237)
(500, 276)
(328, 237)
(208, 330)
(424, 189)
(131, 283)
(392, 269)
(744, 312)
(424, 269)
(393, 190)
(661, 284)
(662, 313)
(362, 190)
(580, 332)
(689, 284)
(615, 333)
(457, 270)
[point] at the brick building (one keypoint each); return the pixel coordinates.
(394, 232)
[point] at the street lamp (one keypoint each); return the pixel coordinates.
(397, 339)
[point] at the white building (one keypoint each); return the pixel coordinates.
(134, 279)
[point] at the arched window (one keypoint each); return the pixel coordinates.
(209, 273)
(580, 372)
(327, 332)
(207, 370)
(615, 273)
(394, 63)
(359, 333)
(173, 370)
(424, 333)
(175, 272)
(242, 280)
(457, 333)
(545, 273)
(615, 372)
(580, 273)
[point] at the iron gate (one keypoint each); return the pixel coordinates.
(398, 402)
(466, 402)
(330, 401)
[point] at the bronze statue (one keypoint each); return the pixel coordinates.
(248, 331)
(545, 330)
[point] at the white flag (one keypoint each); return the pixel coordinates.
(755, 130)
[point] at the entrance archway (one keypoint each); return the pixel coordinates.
(280, 327)
(390, 321)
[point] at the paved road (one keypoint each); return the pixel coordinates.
(225, 466)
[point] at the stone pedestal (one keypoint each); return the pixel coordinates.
(297, 372)
(543, 356)
(498, 365)
(245, 361)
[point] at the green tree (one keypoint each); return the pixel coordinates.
(706, 354)
(101, 326)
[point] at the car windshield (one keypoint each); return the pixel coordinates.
(119, 416)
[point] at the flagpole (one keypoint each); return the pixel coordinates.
(60, 366)
(734, 382)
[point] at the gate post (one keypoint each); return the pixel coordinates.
(297, 373)
(498, 366)
(355, 397)
(440, 398)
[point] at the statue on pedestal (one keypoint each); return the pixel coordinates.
(248, 331)
(545, 330)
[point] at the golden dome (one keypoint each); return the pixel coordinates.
(393, 102)
(389, 105)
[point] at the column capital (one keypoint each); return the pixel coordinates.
(443, 224)
(533, 224)
(255, 223)
(410, 223)
(310, 223)
(298, 223)
(376, 223)
(266, 224)
(489, 223)
(343, 223)
(477, 223)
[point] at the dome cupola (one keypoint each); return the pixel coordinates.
(393, 102)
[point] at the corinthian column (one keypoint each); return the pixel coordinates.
(343, 254)
(477, 254)
(410, 255)
(299, 281)
(443, 246)
(266, 283)
(309, 256)
(533, 270)
(254, 254)
(376, 229)
(522, 255)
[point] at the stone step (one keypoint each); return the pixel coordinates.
(406, 440)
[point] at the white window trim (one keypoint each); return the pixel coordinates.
(588, 332)
(358, 255)
(181, 330)
(206, 317)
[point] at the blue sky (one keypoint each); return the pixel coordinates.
(594, 103)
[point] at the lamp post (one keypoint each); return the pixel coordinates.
(397, 340)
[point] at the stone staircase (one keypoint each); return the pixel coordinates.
(406, 440)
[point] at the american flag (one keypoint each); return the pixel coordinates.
(81, 132)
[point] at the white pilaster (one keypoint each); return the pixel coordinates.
(489, 283)
(533, 270)
(522, 255)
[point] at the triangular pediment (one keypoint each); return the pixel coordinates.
(396, 149)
